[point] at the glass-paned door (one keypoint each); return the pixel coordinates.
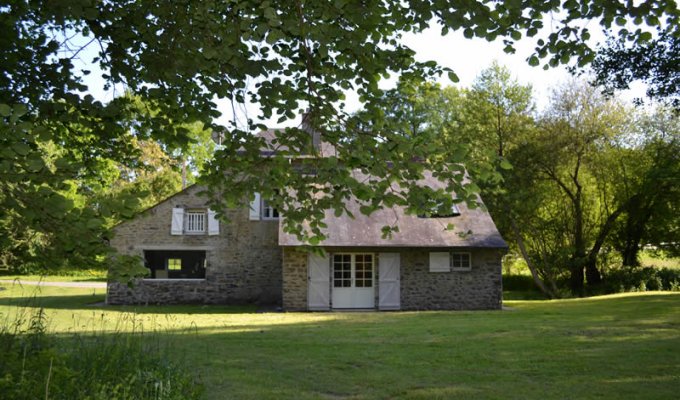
(353, 280)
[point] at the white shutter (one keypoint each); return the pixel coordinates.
(255, 208)
(177, 226)
(389, 281)
(318, 288)
(213, 224)
(440, 262)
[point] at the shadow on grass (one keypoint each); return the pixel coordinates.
(96, 302)
(443, 354)
(589, 348)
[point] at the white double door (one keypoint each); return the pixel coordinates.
(347, 280)
(353, 280)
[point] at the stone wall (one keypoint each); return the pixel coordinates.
(243, 261)
(477, 289)
(294, 280)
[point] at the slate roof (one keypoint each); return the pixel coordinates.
(473, 228)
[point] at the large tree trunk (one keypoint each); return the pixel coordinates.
(576, 279)
(534, 271)
(630, 254)
(592, 273)
(593, 276)
(579, 257)
(636, 223)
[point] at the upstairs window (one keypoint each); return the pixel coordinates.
(194, 222)
(261, 209)
(268, 211)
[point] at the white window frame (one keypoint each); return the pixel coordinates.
(268, 209)
(195, 217)
(459, 254)
(353, 271)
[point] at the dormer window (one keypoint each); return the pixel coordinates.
(439, 211)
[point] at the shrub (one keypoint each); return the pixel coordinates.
(35, 364)
(518, 282)
(642, 279)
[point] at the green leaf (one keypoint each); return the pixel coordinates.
(645, 36)
(453, 77)
(505, 164)
(21, 148)
(34, 164)
(94, 223)
(20, 110)
(5, 110)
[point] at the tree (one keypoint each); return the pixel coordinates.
(650, 168)
(292, 56)
(499, 109)
(652, 61)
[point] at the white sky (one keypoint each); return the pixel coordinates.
(467, 57)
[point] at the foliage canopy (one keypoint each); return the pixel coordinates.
(178, 56)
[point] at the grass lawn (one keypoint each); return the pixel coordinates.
(88, 275)
(649, 259)
(620, 346)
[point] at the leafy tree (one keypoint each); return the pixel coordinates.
(650, 170)
(652, 61)
(177, 56)
(499, 109)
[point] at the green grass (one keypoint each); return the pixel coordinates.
(650, 259)
(87, 275)
(619, 346)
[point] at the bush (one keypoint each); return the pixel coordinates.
(519, 283)
(35, 364)
(642, 279)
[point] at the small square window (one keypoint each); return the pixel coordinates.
(174, 264)
(461, 261)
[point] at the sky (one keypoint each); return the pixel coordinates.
(466, 57)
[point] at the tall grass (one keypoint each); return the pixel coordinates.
(36, 364)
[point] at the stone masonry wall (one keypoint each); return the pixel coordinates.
(294, 280)
(477, 289)
(243, 261)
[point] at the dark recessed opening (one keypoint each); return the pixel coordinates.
(175, 264)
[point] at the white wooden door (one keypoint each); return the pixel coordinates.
(389, 270)
(353, 278)
(318, 287)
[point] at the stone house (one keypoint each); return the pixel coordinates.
(194, 258)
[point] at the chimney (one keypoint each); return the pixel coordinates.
(308, 125)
